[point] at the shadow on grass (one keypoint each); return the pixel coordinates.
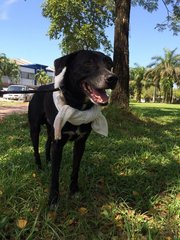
(139, 189)
(135, 166)
(127, 171)
(158, 112)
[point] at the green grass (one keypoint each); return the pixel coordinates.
(129, 181)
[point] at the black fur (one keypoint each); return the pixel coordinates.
(91, 68)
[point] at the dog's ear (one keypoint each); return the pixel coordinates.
(61, 62)
(107, 59)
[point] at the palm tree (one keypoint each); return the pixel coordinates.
(136, 78)
(152, 78)
(164, 72)
(3, 63)
(42, 77)
(8, 68)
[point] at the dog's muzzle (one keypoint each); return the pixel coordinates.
(98, 95)
(112, 81)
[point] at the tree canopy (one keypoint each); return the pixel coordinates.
(79, 24)
(167, 66)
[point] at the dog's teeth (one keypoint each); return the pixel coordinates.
(89, 88)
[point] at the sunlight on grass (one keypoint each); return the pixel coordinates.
(160, 112)
(12, 103)
(129, 181)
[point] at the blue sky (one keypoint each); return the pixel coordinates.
(23, 34)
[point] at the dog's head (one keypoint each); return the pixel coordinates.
(88, 75)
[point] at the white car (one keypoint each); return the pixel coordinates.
(18, 96)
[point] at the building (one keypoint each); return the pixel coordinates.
(27, 73)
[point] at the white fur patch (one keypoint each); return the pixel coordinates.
(58, 96)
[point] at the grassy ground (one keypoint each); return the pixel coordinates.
(129, 181)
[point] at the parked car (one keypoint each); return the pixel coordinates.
(18, 96)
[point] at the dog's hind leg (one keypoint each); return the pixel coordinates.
(78, 150)
(34, 133)
(48, 144)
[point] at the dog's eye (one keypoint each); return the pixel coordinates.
(109, 64)
(109, 67)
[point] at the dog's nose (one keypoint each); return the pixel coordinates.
(112, 80)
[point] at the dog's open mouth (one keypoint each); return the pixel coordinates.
(97, 96)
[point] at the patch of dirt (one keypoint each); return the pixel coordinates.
(20, 108)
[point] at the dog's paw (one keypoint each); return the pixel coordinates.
(53, 200)
(75, 196)
(73, 189)
(52, 207)
(39, 168)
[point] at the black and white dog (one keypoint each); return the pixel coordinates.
(72, 112)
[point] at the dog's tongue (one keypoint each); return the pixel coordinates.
(99, 96)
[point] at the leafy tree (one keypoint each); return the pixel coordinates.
(137, 77)
(42, 77)
(164, 71)
(8, 68)
(121, 52)
(121, 40)
(81, 24)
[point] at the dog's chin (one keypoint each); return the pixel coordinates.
(97, 96)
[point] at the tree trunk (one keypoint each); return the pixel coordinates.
(121, 52)
(155, 94)
(138, 96)
(171, 95)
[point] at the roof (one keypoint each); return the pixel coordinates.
(28, 64)
(20, 61)
(50, 69)
(38, 67)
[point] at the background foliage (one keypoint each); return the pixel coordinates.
(8, 68)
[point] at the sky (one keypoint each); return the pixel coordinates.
(23, 34)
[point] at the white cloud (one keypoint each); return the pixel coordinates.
(4, 8)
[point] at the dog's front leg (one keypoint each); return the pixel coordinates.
(34, 133)
(78, 150)
(57, 148)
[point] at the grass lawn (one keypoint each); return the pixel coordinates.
(129, 181)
